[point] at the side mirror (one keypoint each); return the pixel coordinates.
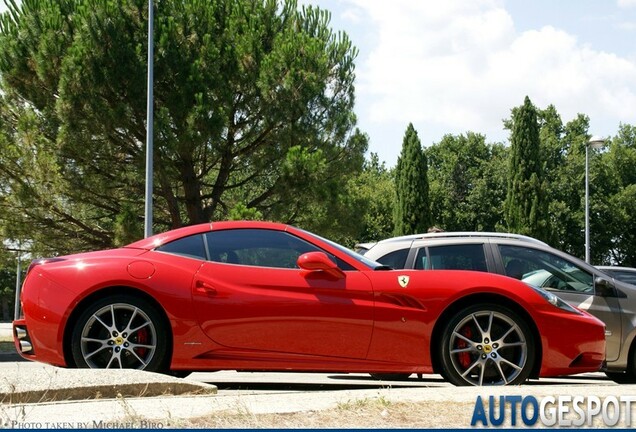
(603, 287)
(318, 261)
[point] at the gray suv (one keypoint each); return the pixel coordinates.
(536, 263)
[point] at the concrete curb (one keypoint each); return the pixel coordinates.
(37, 383)
(24, 382)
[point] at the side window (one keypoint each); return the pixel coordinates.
(260, 248)
(191, 246)
(622, 275)
(453, 257)
(421, 260)
(395, 259)
(544, 269)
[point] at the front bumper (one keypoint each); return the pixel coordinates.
(572, 343)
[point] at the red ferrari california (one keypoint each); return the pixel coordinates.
(259, 296)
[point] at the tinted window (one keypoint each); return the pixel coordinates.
(452, 257)
(261, 248)
(544, 269)
(395, 259)
(192, 247)
(623, 275)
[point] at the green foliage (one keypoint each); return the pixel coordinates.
(623, 155)
(8, 269)
(373, 191)
(525, 206)
(253, 106)
(467, 183)
(553, 149)
(326, 206)
(412, 209)
(615, 211)
(7, 279)
(565, 185)
(127, 226)
(623, 247)
(242, 212)
(254, 120)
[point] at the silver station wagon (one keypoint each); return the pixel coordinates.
(536, 263)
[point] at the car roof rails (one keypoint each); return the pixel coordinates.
(472, 234)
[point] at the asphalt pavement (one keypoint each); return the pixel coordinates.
(37, 395)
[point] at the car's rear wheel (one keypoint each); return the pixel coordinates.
(120, 332)
(487, 344)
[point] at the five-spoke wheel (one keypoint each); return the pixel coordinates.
(487, 344)
(120, 332)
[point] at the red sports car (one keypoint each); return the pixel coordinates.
(259, 296)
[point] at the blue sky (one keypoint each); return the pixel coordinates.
(453, 66)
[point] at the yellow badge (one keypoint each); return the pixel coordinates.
(403, 280)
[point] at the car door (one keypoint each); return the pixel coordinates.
(570, 281)
(250, 295)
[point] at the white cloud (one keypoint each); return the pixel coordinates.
(461, 65)
(626, 3)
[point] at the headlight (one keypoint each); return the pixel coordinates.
(554, 300)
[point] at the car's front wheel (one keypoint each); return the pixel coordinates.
(628, 376)
(487, 344)
(120, 332)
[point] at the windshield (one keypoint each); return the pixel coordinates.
(364, 260)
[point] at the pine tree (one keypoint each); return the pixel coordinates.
(253, 116)
(525, 210)
(412, 214)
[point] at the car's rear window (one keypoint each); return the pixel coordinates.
(191, 247)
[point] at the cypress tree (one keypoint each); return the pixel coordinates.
(412, 214)
(524, 209)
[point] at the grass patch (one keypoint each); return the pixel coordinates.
(364, 413)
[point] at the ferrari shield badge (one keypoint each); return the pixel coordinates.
(403, 280)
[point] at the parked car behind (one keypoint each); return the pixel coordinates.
(606, 296)
(623, 274)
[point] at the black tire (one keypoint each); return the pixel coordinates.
(390, 376)
(629, 375)
(121, 332)
(487, 344)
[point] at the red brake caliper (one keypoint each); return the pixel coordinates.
(142, 339)
(464, 357)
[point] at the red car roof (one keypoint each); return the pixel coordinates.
(168, 236)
